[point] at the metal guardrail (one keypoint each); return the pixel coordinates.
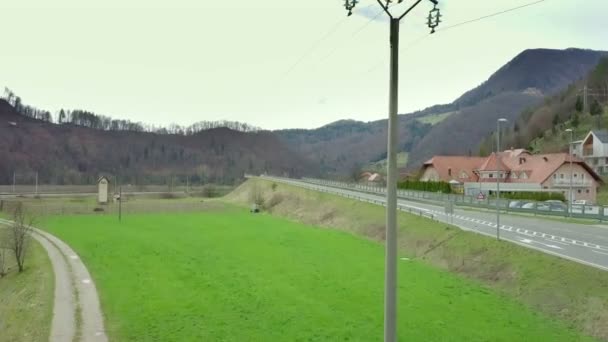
(516, 206)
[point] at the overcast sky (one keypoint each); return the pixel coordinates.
(265, 62)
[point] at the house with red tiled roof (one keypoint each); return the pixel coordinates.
(517, 171)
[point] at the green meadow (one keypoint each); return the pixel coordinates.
(228, 275)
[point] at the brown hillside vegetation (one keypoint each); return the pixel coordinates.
(562, 289)
(69, 154)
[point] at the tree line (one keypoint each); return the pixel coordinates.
(101, 122)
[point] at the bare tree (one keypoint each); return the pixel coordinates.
(19, 235)
(256, 196)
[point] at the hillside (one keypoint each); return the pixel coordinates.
(345, 145)
(75, 155)
(455, 128)
(523, 82)
(541, 129)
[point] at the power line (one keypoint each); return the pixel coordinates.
(466, 22)
(355, 33)
(315, 45)
(490, 15)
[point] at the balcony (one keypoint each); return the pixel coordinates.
(575, 182)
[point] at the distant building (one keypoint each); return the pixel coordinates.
(520, 171)
(593, 149)
(102, 190)
(371, 177)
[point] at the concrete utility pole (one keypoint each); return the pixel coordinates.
(120, 203)
(498, 176)
(390, 290)
(571, 170)
(585, 98)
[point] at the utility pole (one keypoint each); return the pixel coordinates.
(571, 197)
(120, 203)
(14, 176)
(390, 285)
(36, 183)
(585, 98)
(498, 176)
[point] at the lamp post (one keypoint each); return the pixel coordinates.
(390, 285)
(571, 197)
(498, 176)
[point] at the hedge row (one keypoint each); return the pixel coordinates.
(534, 196)
(443, 187)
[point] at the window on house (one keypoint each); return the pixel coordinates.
(491, 175)
(561, 176)
(555, 176)
(582, 175)
(449, 171)
(587, 191)
(575, 175)
(523, 175)
(464, 175)
(580, 191)
(514, 175)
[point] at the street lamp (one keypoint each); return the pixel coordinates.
(498, 176)
(390, 285)
(570, 154)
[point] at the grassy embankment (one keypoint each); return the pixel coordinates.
(229, 275)
(26, 299)
(559, 288)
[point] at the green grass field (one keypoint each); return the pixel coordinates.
(228, 275)
(26, 299)
(435, 118)
(381, 165)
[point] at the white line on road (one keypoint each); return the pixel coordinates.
(598, 252)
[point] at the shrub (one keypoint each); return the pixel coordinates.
(168, 195)
(274, 200)
(443, 187)
(534, 196)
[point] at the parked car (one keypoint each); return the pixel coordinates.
(516, 204)
(581, 202)
(555, 205)
(529, 205)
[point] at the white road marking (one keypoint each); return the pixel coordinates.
(561, 243)
(86, 281)
(598, 252)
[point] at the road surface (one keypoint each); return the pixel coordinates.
(586, 244)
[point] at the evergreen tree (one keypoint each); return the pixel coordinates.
(579, 104)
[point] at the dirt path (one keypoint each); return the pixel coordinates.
(76, 311)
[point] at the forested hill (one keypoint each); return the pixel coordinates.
(542, 129)
(455, 128)
(521, 84)
(72, 154)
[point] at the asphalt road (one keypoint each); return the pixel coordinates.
(586, 244)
